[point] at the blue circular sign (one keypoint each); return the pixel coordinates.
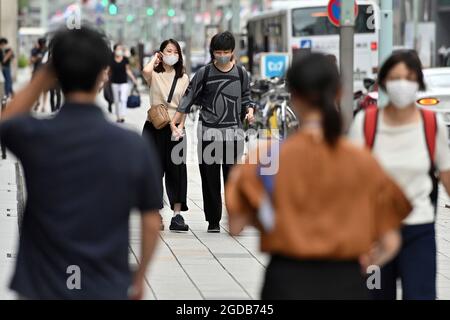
(334, 12)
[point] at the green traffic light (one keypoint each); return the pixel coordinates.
(171, 13)
(130, 18)
(105, 3)
(113, 10)
(150, 12)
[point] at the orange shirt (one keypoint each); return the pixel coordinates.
(330, 203)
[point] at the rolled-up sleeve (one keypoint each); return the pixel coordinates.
(244, 193)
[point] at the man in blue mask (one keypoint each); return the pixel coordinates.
(222, 89)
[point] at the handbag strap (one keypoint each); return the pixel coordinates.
(172, 90)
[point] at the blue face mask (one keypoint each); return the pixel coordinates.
(223, 59)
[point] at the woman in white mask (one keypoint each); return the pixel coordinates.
(165, 74)
(412, 146)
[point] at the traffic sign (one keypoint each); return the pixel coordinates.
(334, 12)
(274, 65)
(306, 44)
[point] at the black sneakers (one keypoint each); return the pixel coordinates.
(213, 228)
(177, 224)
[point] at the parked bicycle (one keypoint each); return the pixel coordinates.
(274, 115)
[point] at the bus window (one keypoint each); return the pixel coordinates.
(314, 22)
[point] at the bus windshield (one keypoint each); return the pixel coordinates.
(314, 22)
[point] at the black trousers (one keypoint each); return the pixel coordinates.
(216, 157)
(173, 169)
(292, 279)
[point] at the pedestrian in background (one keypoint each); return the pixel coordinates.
(222, 89)
(55, 92)
(412, 146)
(168, 81)
(6, 57)
(74, 241)
(329, 211)
(135, 65)
(37, 57)
(120, 71)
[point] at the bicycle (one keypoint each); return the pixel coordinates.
(274, 113)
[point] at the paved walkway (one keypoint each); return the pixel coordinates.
(193, 265)
(8, 224)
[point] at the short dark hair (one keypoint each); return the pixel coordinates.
(412, 61)
(3, 41)
(42, 42)
(78, 57)
(315, 78)
(223, 41)
(179, 66)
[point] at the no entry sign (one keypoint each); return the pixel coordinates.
(334, 12)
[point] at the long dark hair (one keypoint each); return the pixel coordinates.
(179, 66)
(315, 78)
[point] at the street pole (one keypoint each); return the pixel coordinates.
(189, 6)
(236, 26)
(416, 24)
(386, 41)
(347, 31)
(44, 14)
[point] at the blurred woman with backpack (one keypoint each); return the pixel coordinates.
(412, 146)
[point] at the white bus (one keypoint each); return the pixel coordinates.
(303, 25)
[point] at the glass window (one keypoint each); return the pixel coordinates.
(314, 22)
(438, 81)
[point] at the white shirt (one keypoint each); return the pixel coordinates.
(402, 151)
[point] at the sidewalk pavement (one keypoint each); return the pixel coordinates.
(193, 265)
(8, 224)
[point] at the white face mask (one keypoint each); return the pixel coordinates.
(171, 60)
(402, 93)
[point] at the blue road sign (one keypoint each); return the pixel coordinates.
(274, 65)
(306, 44)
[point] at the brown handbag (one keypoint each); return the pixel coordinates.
(159, 115)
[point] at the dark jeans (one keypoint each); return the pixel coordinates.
(175, 172)
(8, 81)
(292, 279)
(225, 156)
(415, 266)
